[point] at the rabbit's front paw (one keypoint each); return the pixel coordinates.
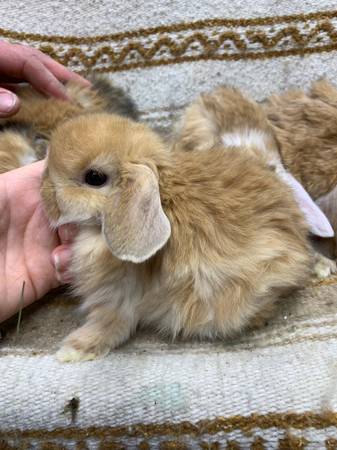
(70, 354)
(324, 267)
(81, 347)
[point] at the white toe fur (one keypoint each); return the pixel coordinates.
(324, 267)
(69, 354)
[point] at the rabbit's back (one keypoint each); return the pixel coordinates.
(238, 242)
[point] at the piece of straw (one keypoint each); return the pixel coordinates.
(20, 309)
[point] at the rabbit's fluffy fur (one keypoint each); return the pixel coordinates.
(305, 126)
(195, 244)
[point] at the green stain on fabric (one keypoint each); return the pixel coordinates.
(164, 396)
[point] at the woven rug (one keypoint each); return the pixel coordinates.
(272, 389)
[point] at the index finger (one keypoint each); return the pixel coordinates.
(61, 72)
(44, 81)
(20, 63)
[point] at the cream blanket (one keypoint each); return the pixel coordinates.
(271, 389)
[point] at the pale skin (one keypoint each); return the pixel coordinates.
(30, 250)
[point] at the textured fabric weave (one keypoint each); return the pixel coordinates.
(271, 389)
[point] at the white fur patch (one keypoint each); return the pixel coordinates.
(68, 354)
(245, 138)
(324, 267)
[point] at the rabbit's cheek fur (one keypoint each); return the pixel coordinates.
(78, 204)
(62, 206)
(72, 213)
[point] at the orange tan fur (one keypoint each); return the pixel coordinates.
(226, 110)
(305, 126)
(230, 118)
(230, 235)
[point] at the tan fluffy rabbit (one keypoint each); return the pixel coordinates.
(305, 126)
(24, 137)
(195, 244)
(228, 117)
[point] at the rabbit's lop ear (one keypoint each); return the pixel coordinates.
(314, 216)
(134, 224)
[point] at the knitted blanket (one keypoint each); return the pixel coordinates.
(270, 389)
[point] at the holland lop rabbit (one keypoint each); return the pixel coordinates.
(194, 243)
(228, 117)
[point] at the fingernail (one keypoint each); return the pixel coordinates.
(7, 101)
(61, 258)
(56, 263)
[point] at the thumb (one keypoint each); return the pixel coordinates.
(9, 103)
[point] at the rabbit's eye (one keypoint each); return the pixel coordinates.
(95, 178)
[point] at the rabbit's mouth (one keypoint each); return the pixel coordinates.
(80, 219)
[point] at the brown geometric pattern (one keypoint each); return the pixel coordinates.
(184, 435)
(217, 39)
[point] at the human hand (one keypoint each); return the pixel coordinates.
(29, 247)
(19, 63)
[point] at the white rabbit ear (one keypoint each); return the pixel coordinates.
(134, 223)
(315, 218)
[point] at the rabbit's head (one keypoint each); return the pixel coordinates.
(101, 170)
